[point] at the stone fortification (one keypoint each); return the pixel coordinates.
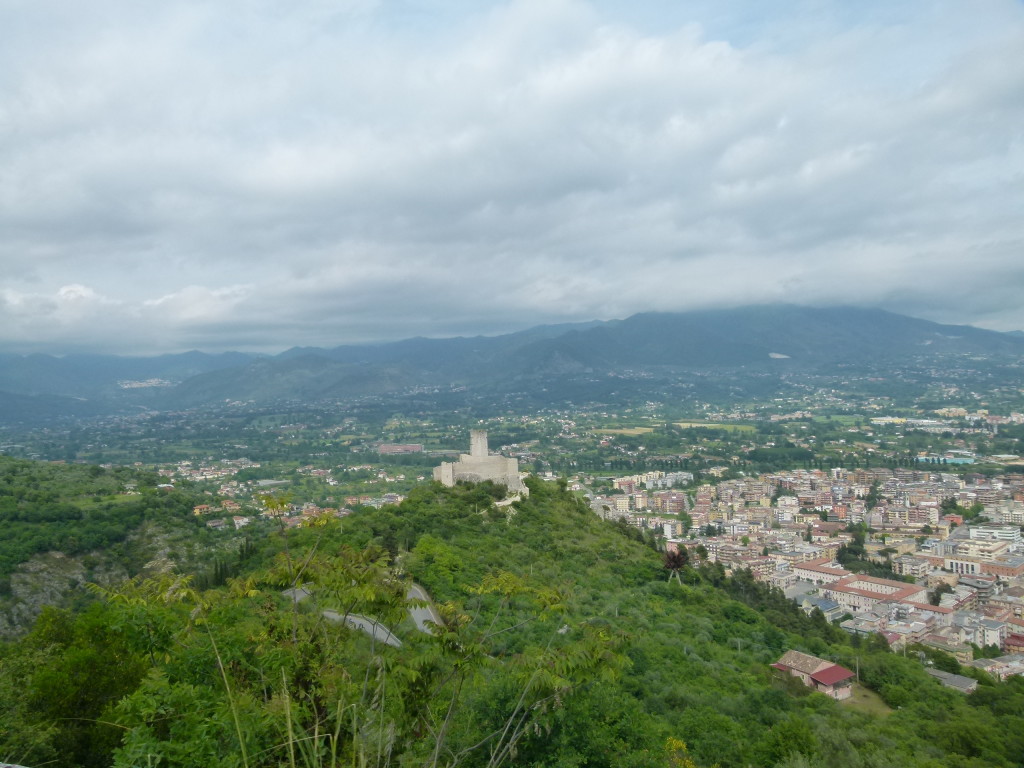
(478, 465)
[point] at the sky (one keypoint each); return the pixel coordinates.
(261, 174)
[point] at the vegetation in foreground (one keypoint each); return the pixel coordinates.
(563, 642)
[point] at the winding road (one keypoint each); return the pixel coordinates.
(423, 615)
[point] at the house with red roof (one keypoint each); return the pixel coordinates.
(821, 675)
(1014, 643)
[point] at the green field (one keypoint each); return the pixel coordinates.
(715, 425)
(866, 701)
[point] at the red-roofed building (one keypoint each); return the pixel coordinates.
(831, 679)
(892, 637)
(857, 592)
(819, 571)
(823, 676)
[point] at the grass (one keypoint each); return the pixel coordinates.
(716, 425)
(846, 420)
(626, 431)
(867, 701)
(88, 502)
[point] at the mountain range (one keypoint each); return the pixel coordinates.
(752, 340)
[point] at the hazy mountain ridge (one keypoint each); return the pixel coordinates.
(101, 375)
(757, 340)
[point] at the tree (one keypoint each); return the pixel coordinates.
(786, 738)
(935, 596)
(678, 755)
(82, 665)
(675, 561)
(949, 505)
(341, 691)
(873, 496)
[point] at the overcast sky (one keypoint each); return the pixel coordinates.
(258, 174)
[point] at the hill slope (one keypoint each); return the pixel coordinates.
(562, 643)
(68, 524)
(746, 342)
(749, 341)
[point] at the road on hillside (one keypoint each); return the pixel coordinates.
(423, 616)
(374, 629)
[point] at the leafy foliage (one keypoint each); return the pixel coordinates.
(74, 509)
(558, 641)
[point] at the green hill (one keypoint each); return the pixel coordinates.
(563, 643)
(747, 341)
(546, 364)
(68, 524)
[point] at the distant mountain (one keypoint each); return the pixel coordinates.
(755, 340)
(17, 408)
(39, 388)
(804, 335)
(103, 376)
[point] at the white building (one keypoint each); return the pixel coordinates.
(479, 465)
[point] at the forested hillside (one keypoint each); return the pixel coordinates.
(65, 524)
(564, 641)
(751, 347)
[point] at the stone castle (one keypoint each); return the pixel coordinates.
(478, 465)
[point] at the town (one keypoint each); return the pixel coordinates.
(951, 542)
(896, 520)
(914, 555)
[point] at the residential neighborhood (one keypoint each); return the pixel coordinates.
(956, 585)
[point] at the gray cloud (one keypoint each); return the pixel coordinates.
(266, 174)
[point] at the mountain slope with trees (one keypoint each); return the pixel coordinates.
(750, 341)
(570, 360)
(66, 524)
(565, 641)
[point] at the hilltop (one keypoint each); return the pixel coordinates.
(564, 642)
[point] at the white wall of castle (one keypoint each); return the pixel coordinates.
(478, 465)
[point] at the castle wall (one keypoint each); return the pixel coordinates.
(478, 465)
(444, 474)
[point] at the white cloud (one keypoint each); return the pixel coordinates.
(274, 174)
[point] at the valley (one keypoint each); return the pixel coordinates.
(686, 527)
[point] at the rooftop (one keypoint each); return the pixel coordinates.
(803, 662)
(832, 675)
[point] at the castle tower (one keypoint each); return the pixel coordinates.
(478, 443)
(478, 465)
